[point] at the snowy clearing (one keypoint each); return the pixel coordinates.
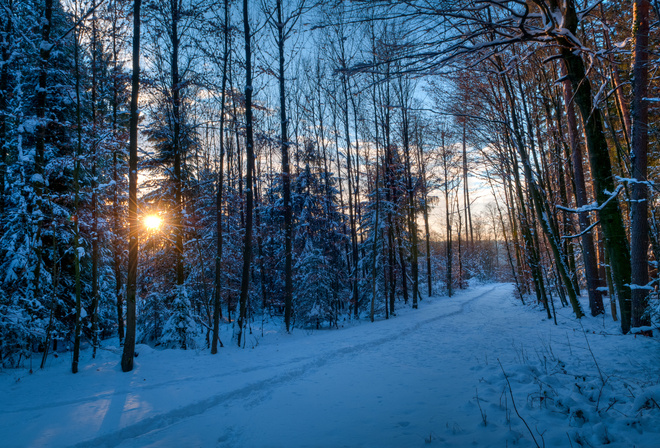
(428, 377)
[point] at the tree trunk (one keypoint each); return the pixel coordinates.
(580, 190)
(448, 239)
(351, 208)
(639, 232)
(611, 220)
(514, 272)
(374, 247)
(459, 241)
(217, 309)
(76, 207)
(412, 215)
(389, 195)
(466, 189)
(5, 54)
(133, 230)
(531, 247)
(115, 177)
(617, 85)
(376, 227)
(176, 146)
(425, 209)
(398, 234)
(540, 206)
(286, 177)
(38, 180)
(95, 216)
(249, 152)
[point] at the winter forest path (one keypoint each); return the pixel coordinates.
(402, 382)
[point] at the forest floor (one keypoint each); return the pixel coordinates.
(478, 369)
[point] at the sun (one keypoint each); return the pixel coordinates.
(153, 222)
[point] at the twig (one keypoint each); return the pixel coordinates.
(515, 408)
(600, 394)
(612, 403)
(483, 414)
(569, 439)
(592, 354)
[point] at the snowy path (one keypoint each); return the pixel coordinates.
(386, 391)
(407, 382)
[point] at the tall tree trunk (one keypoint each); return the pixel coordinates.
(376, 228)
(540, 206)
(459, 245)
(541, 197)
(217, 309)
(117, 251)
(351, 207)
(639, 232)
(335, 127)
(531, 247)
(398, 234)
(76, 206)
(611, 220)
(95, 216)
(552, 156)
(176, 145)
(5, 54)
(514, 271)
(617, 84)
(261, 255)
(466, 188)
(133, 230)
(230, 187)
(56, 282)
(389, 194)
(391, 261)
(448, 239)
(249, 152)
(425, 209)
(412, 212)
(580, 190)
(356, 180)
(567, 221)
(38, 180)
(510, 206)
(286, 176)
(376, 232)
(427, 231)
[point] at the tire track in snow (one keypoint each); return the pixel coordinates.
(261, 387)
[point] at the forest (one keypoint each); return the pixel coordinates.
(171, 167)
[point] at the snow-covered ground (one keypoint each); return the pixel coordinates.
(428, 377)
